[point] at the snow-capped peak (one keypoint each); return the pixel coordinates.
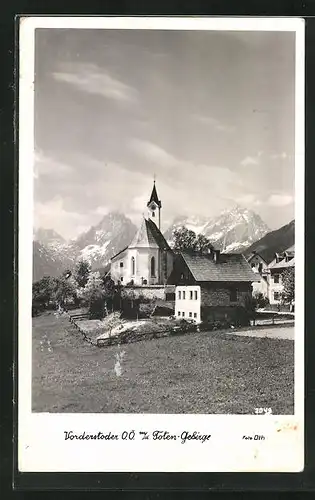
(232, 230)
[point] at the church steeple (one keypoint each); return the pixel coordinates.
(154, 204)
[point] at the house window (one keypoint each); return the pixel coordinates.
(233, 295)
(276, 278)
(122, 278)
(178, 313)
(195, 315)
(183, 314)
(196, 295)
(153, 267)
(133, 266)
(184, 295)
(190, 315)
(190, 295)
(259, 268)
(179, 295)
(121, 264)
(276, 295)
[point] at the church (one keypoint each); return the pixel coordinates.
(148, 260)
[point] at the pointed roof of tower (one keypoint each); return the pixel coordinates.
(149, 236)
(154, 197)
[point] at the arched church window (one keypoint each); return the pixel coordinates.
(133, 266)
(152, 266)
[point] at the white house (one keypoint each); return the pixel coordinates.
(281, 262)
(259, 266)
(212, 286)
(188, 302)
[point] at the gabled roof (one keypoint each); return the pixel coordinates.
(230, 267)
(254, 254)
(283, 264)
(157, 235)
(149, 236)
(118, 253)
(154, 197)
(291, 249)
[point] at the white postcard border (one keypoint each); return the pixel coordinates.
(41, 443)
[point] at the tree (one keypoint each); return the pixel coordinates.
(64, 290)
(186, 239)
(82, 272)
(43, 291)
(202, 243)
(109, 286)
(288, 282)
(93, 293)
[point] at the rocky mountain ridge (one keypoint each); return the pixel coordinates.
(233, 230)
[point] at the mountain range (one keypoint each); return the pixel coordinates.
(236, 230)
(274, 241)
(231, 231)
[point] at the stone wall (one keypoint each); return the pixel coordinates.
(221, 296)
(149, 292)
(230, 314)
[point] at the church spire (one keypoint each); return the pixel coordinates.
(154, 203)
(154, 197)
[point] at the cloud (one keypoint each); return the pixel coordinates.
(250, 160)
(101, 210)
(138, 204)
(94, 80)
(152, 152)
(213, 122)
(248, 199)
(280, 200)
(44, 165)
(281, 156)
(224, 128)
(52, 214)
(182, 176)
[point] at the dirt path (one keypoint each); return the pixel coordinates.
(272, 333)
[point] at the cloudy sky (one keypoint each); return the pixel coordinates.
(210, 113)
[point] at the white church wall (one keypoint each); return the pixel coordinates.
(118, 267)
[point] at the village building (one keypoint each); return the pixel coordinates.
(259, 266)
(280, 263)
(212, 286)
(270, 274)
(148, 260)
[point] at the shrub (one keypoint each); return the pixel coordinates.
(96, 306)
(261, 300)
(145, 310)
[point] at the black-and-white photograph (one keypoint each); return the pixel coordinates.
(161, 201)
(163, 253)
